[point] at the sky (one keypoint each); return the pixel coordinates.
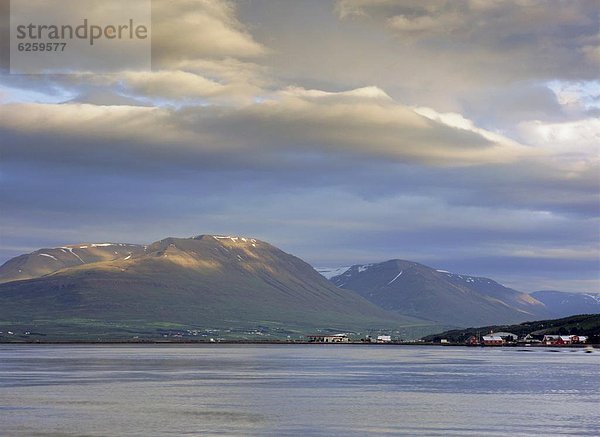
(462, 134)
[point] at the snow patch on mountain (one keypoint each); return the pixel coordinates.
(235, 239)
(595, 297)
(469, 279)
(70, 249)
(396, 277)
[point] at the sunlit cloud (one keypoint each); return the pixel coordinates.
(572, 140)
(363, 121)
(197, 29)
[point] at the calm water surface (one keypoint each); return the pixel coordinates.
(339, 390)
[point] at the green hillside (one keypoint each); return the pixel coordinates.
(223, 287)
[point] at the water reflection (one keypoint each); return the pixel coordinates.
(296, 390)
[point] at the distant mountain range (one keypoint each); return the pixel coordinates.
(240, 287)
(410, 288)
(563, 304)
(237, 287)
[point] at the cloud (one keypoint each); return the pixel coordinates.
(364, 122)
(298, 216)
(473, 19)
(592, 53)
(425, 24)
(577, 141)
(457, 133)
(578, 96)
(223, 81)
(458, 121)
(358, 8)
(200, 50)
(324, 136)
(510, 39)
(228, 87)
(369, 92)
(171, 84)
(197, 29)
(87, 123)
(571, 253)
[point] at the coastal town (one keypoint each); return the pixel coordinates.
(490, 339)
(506, 339)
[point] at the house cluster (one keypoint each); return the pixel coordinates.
(325, 338)
(507, 338)
(378, 339)
(559, 340)
(343, 338)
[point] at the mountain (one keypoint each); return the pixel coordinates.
(45, 261)
(214, 285)
(330, 272)
(585, 324)
(409, 288)
(562, 304)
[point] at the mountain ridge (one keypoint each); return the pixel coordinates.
(49, 260)
(222, 277)
(564, 303)
(411, 288)
(204, 282)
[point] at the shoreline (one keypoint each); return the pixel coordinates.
(283, 342)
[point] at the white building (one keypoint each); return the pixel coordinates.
(324, 338)
(493, 340)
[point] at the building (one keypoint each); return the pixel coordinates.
(562, 340)
(324, 338)
(532, 338)
(507, 336)
(384, 339)
(493, 340)
(551, 339)
(472, 341)
(499, 338)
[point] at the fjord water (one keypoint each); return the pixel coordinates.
(345, 390)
